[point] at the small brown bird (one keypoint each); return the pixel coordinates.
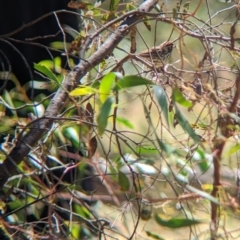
(157, 55)
(154, 57)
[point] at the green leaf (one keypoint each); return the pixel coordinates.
(185, 125)
(106, 85)
(46, 71)
(233, 150)
(59, 45)
(203, 165)
(130, 7)
(47, 63)
(146, 150)
(179, 98)
(102, 119)
(131, 81)
(176, 222)
(73, 135)
(8, 99)
(165, 147)
(147, 23)
(162, 100)
(83, 90)
(202, 194)
(125, 122)
(123, 181)
(154, 236)
(113, 5)
(171, 117)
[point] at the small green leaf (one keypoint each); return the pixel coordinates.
(147, 23)
(102, 119)
(203, 165)
(162, 101)
(185, 125)
(106, 85)
(46, 71)
(202, 194)
(171, 117)
(130, 7)
(125, 122)
(123, 181)
(233, 150)
(113, 5)
(154, 236)
(73, 136)
(147, 150)
(179, 98)
(165, 147)
(176, 222)
(47, 63)
(131, 81)
(83, 90)
(59, 45)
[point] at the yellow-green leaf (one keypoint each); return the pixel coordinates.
(82, 90)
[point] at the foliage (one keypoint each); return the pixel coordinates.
(135, 148)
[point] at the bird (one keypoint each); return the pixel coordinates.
(156, 56)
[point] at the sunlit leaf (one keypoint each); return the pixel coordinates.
(233, 150)
(147, 23)
(106, 85)
(125, 122)
(75, 231)
(176, 222)
(46, 71)
(102, 119)
(57, 65)
(72, 134)
(202, 194)
(59, 45)
(171, 117)
(179, 98)
(83, 90)
(162, 101)
(123, 181)
(131, 81)
(185, 125)
(47, 63)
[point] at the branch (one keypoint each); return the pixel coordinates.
(40, 127)
(218, 146)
